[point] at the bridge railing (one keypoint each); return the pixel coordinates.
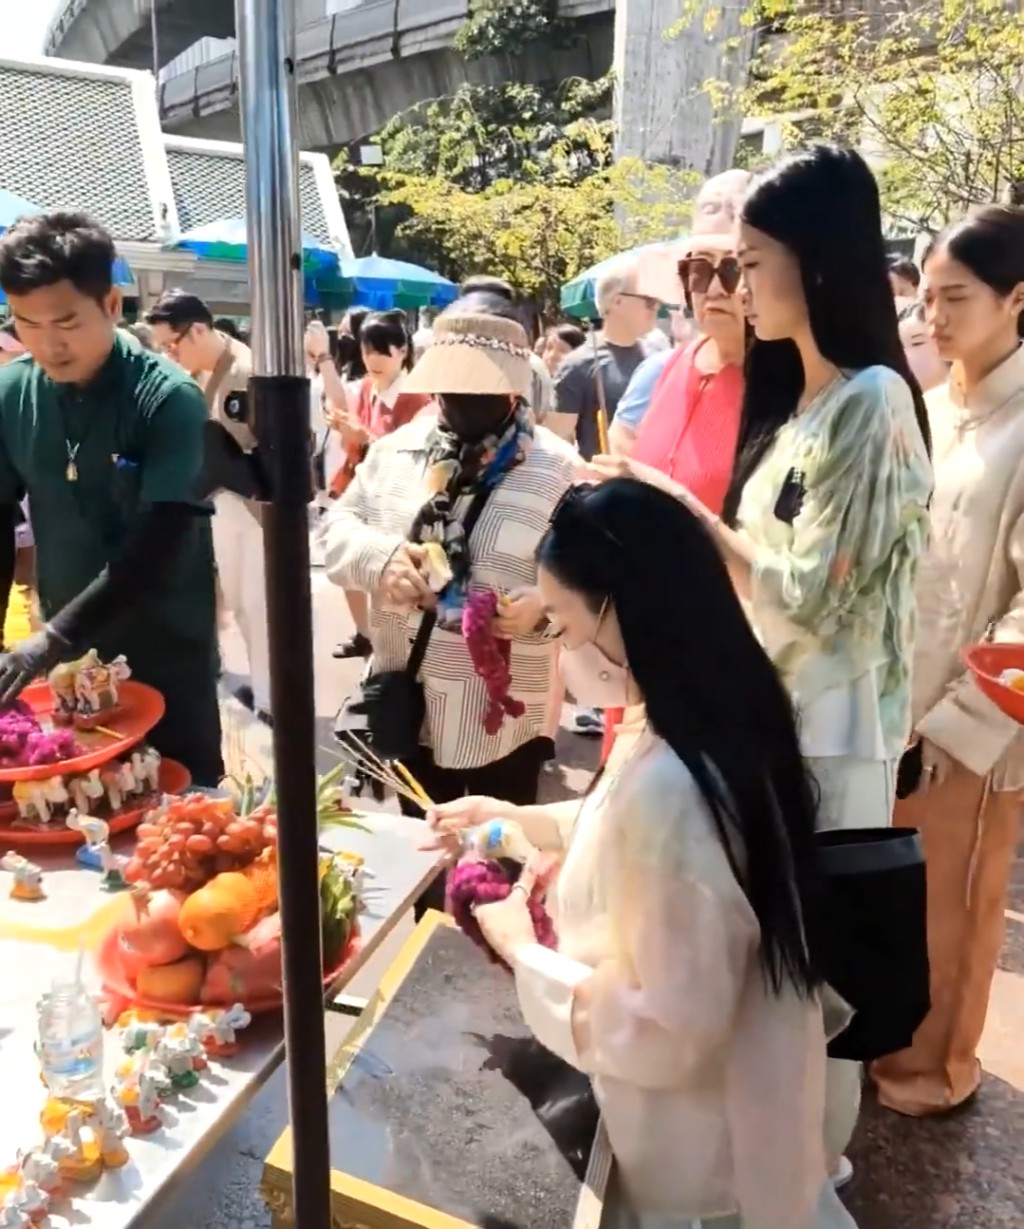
(324, 48)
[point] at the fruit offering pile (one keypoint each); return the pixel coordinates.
(206, 928)
(188, 840)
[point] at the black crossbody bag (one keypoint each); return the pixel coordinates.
(391, 706)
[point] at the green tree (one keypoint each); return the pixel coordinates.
(931, 93)
(496, 140)
(539, 233)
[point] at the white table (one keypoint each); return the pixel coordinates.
(198, 1118)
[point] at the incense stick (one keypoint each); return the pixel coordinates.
(393, 774)
(413, 784)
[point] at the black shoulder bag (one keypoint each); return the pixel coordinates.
(390, 708)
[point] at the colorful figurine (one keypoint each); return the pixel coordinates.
(87, 791)
(96, 688)
(142, 1035)
(111, 1125)
(178, 1054)
(62, 689)
(139, 1097)
(145, 766)
(41, 1167)
(37, 800)
(11, 1215)
(97, 851)
(500, 838)
(28, 878)
(120, 784)
(218, 1032)
(32, 1200)
(85, 1164)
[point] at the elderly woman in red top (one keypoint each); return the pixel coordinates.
(379, 407)
(691, 427)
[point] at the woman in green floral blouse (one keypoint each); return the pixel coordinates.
(827, 513)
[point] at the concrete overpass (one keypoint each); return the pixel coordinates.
(120, 32)
(356, 68)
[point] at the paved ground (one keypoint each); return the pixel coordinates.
(965, 1172)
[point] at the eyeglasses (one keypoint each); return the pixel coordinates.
(649, 301)
(697, 273)
(170, 348)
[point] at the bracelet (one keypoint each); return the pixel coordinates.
(520, 887)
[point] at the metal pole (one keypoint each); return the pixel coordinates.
(154, 30)
(279, 405)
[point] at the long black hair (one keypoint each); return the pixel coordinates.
(823, 205)
(989, 242)
(348, 352)
(710, 690)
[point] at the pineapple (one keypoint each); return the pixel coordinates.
(338, 908)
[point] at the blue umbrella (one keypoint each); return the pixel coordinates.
(228, 239)
(380, 283)
(13, 207)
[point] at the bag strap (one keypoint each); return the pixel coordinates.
(419, 645)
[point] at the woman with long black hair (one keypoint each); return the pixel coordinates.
(681, 982)
(967, 759)
(826, 516)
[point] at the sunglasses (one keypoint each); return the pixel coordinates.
(697, 273)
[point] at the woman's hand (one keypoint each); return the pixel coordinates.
(519, 613)
(936, 765)
(449, 820)
(507, 925)
(601, 468)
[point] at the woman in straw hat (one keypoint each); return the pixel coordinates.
(397, 534)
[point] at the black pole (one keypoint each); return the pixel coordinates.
(279, 403)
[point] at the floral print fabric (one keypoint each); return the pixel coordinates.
(838, 514)
(456, 467)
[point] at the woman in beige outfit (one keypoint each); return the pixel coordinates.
(969, 756)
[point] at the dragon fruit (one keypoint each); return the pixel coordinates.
(490, 657)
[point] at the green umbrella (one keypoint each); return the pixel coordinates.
(577, 297)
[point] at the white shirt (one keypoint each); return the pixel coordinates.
(712, 1090)
(372, 519)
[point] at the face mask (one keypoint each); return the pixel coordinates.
(592, 678)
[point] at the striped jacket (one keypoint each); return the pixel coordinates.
(373, 519)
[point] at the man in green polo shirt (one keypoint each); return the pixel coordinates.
(107, 441)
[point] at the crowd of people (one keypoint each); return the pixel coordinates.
(750, 554)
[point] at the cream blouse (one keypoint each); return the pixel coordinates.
(712, 1089)
(972, 574)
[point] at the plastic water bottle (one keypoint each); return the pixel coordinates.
(70, 1046)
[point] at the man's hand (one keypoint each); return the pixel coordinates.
(403, 582)
(519, 613)
(27, 661)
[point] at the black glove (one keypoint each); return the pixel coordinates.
(27, 661)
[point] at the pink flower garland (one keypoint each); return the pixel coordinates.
(490, 657)
(473, 883)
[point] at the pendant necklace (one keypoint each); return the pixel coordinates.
(71, 471)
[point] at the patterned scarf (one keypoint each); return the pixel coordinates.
(455, 468)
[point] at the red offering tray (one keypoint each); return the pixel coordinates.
(174, 779)
(139, 710)
(987, 662)
(122, 996)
